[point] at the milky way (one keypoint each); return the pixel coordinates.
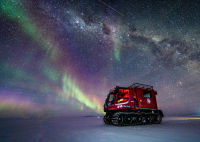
(61, 58)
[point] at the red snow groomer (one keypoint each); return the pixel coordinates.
(132, 105)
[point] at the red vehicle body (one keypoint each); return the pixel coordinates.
(132, 105)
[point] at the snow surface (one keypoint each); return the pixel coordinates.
(92, 129)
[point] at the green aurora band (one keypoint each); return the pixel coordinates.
(15, 12)
(117, 47)
(71, 91)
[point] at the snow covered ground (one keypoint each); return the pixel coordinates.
(92, 129)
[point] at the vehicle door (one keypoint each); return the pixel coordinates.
(148, 99)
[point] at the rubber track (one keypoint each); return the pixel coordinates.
(114, 118)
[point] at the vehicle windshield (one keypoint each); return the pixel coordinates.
(110, 99)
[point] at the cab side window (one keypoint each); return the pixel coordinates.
(147, 94)
(123, 95)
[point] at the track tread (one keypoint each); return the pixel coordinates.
(115, 116)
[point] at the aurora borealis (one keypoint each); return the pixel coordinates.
(61, 58)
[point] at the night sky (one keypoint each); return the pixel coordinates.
(61, 58)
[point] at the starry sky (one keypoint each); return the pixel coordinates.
(61, 58)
